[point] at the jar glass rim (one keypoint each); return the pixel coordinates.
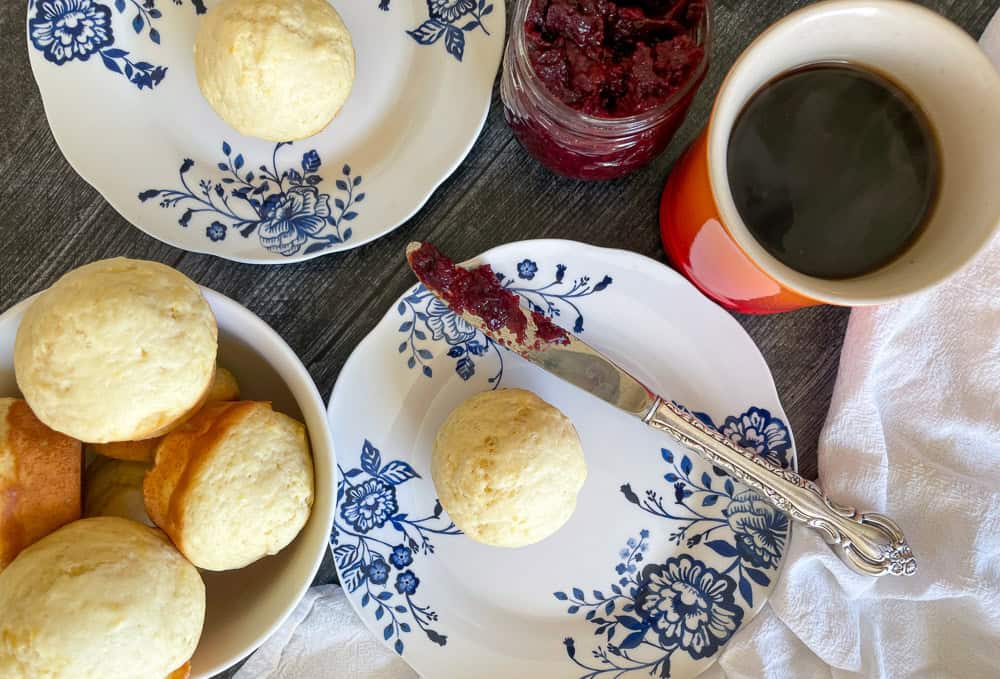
(635, 122)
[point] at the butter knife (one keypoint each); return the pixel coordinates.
(871, 543)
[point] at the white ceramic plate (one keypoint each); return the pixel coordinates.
(247, 605)
(664, 558)
(117, 80)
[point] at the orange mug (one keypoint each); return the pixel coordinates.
(950, 78)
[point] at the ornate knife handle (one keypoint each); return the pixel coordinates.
(870, 543)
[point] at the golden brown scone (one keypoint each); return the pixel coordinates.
(102, 598)
(39, 479)
(232, 461)
(258, 64)
(114, 488)
(117, 350)
(224, 386)
(507, 467)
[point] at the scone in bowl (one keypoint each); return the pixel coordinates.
(246, 606)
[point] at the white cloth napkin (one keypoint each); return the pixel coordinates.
(324, 639)
(914, 432)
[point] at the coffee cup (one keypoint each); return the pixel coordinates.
(947, 75)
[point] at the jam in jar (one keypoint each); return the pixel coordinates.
(595, 89)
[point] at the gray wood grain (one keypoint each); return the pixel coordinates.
(53, 221)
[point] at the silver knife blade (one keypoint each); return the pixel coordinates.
(580, 364)
(574, 360)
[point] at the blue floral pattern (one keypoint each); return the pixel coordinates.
(401, 557)
(648, 615)
(285, 208)
(216, 231)
(378, 571)
(759, 528)
(75, 30)
(527, 269)
(761, 433)
(449, 20)
(689, 605)
(71, 29)
(426, 316)
(375, 545)
(683, 604)
(369, 505)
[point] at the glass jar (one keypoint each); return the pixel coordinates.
(579, 145)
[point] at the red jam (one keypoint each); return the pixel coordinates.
(610, 58)
(595, 89)
(478, 292)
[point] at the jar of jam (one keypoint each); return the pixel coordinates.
(595, 89)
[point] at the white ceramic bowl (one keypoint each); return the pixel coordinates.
(246, 606)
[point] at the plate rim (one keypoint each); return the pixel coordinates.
(670, 274)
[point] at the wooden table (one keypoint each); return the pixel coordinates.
(53, 221)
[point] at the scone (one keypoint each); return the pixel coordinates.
(117, 350)
(103, 598)
(232, 485)
(39, 479)
(274, 69)
(131, 451)
(182, 672)
(507, 467)
(114, 488)
(224, 388)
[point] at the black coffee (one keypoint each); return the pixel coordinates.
(834, 169)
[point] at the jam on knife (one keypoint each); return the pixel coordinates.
(478, 292)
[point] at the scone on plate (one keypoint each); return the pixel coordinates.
(117, 350)
(507, 467)
(232, 485)
(99, 599)
(39, 479)
(114, 488)
(274, 69)
(224, 388)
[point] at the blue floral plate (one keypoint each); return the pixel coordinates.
(665, 556)
(117, 80)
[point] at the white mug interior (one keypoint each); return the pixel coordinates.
(950, 78)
